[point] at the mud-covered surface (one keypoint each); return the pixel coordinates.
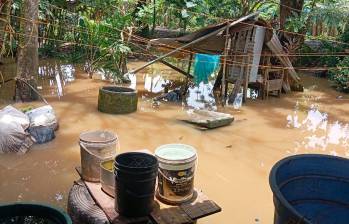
(234, 161)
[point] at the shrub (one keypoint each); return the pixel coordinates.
(340, 75)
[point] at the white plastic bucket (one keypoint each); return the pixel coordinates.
(96, 147)
(177, 164)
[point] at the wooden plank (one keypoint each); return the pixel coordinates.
(276, 47)
(202, 207)
(171, 215)
(208, 119)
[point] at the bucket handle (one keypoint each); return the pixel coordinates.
(91, 153)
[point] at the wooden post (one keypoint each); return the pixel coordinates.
(184, 91)
(154, 17)
(246, 80)
(224, 84)
(190, 62)
(245, 69)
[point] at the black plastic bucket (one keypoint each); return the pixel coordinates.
(135, 177)
(31, 213)
(311, 189)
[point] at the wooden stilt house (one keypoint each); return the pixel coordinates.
(251, 55)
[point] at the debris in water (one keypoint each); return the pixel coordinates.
(59, 197)
(19, 197)
(25, 178)
(155, 104)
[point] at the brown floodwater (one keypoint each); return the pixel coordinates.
(234, 161)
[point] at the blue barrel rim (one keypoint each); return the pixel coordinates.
(26, 205)
(273, 183)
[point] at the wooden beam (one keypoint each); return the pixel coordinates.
(196, 41)
(176, 68)
(164, 62)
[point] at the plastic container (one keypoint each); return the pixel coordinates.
(311, 189)
(108, 177)
(177, 164)
(135, 178)
(32, 213)
(96, 147)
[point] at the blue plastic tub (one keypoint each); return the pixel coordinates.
(311, 189)
(32, 213)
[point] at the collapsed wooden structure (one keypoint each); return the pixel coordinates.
(251, 55)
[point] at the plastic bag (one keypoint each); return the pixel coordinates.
(42, 134)
(43, 123)
(10, 114)
(238, 101)
(43, 116)
(13, 137)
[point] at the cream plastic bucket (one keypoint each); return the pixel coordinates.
(177, 164)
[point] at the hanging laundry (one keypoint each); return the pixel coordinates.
(204, 66)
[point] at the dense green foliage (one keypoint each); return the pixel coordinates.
(91, 31)
(340, 76)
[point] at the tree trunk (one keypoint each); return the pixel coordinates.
(5, 10)
(28, 59)
(154, 17)
(145, 26)
(288, 8)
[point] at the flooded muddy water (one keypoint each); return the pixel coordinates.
(234, 161)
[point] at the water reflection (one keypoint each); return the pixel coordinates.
(155, 84)
(53, 76)
(133, 81)
(320, 133)
(201, 97)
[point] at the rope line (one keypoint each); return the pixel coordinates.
(229, 62)
(145, 40)
(229, 20)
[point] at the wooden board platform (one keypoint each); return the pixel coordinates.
(208, 119)
(186, 213)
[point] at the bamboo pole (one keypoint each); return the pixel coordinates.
(224, 84)
(164, 62)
